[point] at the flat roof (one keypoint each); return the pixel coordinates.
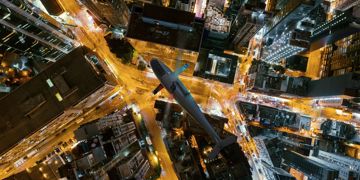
(34, 104)
(335, 86)
(204, 64)
(166, 26)
(298, 12)
(168, 14)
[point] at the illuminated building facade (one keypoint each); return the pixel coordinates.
(341, 57)
(286, 34)
(263, 78)
(112, 12)
(27, 30)
(108, 147)
(338, 39)
(57, 93)
(31, 40)
(247, 23)
(175, 41)
(133, 166)
(185, 5)
(291, 11)
(349, 168)
(340, 26)
(309, 167)
(286, 45)
(46, 170)
(337, 130)
(217, 28)
(215, 19)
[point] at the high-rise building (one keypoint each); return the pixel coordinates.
(171, 35)
(292, 11)
(46, 170)
(114, 13)
(261, 142)
(185, 5)
(48, 102)
(265, 79)
(108, 148)
(115, 126)
(31, 40)
(217, 28)
(286, 34)
(341, 57)
(349, 168)
(215, 20)
(337, 130)
(133, 165)
(217, 66)
(247, 23)
(285, 45)
(188, 146)
(344, 86)
(343, 24)
(297, 63)
(319, 14)
(26, 30)
(309, 167)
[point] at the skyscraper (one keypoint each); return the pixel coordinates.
(51, 99)
(343, 24)
(26, 30)
(30, 39)
(247, 23)
(341, 57)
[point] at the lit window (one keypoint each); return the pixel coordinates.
(49, 82)
(58, 96)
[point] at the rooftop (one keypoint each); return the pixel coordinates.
(166, 26)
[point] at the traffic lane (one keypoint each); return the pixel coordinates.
(155, 135)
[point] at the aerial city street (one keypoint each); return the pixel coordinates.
(180, 89)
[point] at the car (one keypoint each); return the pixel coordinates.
(57, 150)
